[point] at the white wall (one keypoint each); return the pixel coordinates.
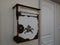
(57, 24)
(47, 16)
(0, 31)
(50, 22)
(47, 22)
(7, 20)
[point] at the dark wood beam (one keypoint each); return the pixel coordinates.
(26, 6)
